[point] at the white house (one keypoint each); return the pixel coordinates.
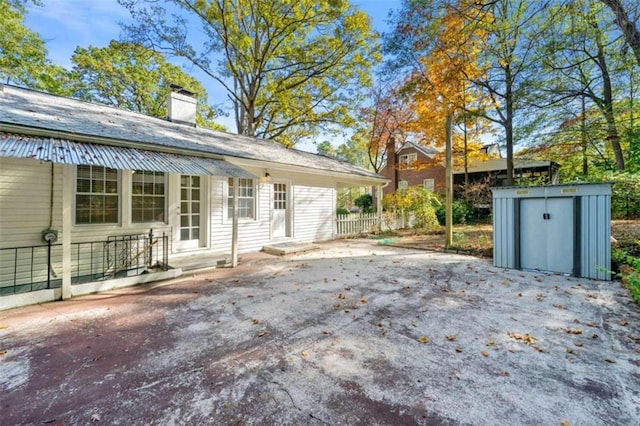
(91, 196)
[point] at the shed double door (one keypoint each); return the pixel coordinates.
(547, 235)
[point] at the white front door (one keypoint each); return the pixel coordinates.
(280, 222)
(190, 224)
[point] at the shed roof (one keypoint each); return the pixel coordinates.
(31, 112)
(501, 164)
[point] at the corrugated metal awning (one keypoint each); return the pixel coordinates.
(115, 157)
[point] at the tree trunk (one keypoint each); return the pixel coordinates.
(613, 136)
(508, 124)
(583, 136)
(629, 30)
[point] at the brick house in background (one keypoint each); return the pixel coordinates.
(417, 165)
(412, 165)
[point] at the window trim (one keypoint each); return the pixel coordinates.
(432, 186)
(165, 196)
(406, 161)
(228, 200)
(118, 194)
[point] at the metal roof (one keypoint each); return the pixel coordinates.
(49, 115)
(115, 157)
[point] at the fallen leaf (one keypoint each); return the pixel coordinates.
(413, 323)
(490, 343)
(568, 350)
(3, 351)
(635, 338)
(594, 336)
(363, 300)
(591, 324)
(540, 297)
(610, 360)
(255, 321)
(249, 295)
(452, 337)
(2, 326)
(304, 353)
(564, 423)
(572, 360)
(579, 344)
(262, 333)
(573, 331)
(529, 340)
(423, 339)
(458, 350)
(380, 324)
(623, 323)
(95, 417)
(559, 306)
(326, 332)
(341, 296)
(504, 373)
(484, 353)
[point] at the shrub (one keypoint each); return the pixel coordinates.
(365, 202)
(419, 201)
(342, 210)
(462, 213)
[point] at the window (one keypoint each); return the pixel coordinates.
(403, 184)
(406, 161)
(429, 184)
(97, 197)
(245, 199)
(147, 196)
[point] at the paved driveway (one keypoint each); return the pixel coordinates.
(351, 334)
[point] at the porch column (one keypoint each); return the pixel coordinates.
(67, 223)
(234, 226)
(379, 206)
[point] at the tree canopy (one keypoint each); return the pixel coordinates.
(130, 76)
(291, 68)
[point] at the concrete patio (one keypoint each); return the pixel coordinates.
(352, 333)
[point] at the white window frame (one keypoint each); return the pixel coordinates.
(117, 194)
(429, 184)
(241, 196)
(153, 196)
(403, 184)
(405, 161)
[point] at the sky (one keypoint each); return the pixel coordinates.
(66, 24)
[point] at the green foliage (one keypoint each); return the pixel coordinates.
(365, 203)
(625, 196)
(342, 211)
(462, 213)
(23, 55)
(417, 200)
(292, 68)
(629, 270)
(130, 76)
(325, 148)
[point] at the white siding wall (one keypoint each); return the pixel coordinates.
(25, 200)
(314, 213)
(253, 234)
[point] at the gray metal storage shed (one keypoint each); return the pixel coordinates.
(559, 228)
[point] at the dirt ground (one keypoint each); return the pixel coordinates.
(354, 333)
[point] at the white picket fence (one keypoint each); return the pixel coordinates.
(355, 224)
(350, 225)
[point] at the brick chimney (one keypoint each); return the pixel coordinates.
(182, 106)
(391, 169)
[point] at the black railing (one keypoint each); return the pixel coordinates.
(25, 269)
(29, 268)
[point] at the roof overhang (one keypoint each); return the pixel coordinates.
(116, 157)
